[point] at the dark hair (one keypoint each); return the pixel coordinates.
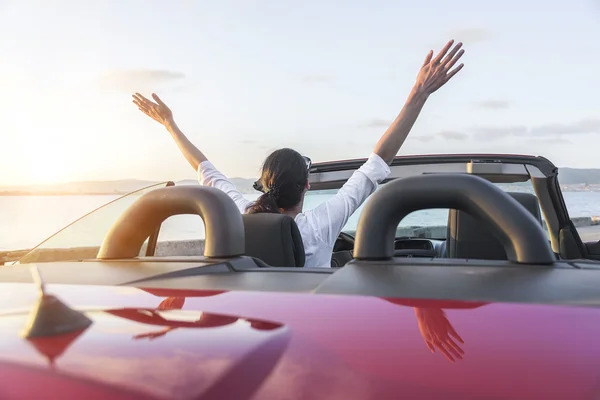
(283, 179)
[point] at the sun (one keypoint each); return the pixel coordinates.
(51, 172)
(48, 165)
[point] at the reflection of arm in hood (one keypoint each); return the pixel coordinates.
(439, 333)
(434, 326)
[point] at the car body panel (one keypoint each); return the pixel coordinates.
(301, 346)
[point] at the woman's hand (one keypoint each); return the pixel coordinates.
(157, 111)
(438, 333)
(435, 72)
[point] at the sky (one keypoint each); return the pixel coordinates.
(324, 77)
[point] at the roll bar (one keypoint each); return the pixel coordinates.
(522, 237)
(221, 217)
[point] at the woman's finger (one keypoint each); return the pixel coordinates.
(455, 346)
(143, 99)
(141, 106)
(443, 52)
(451, 54)
(158, 100)
(430, 346)
(454, 60)
(452, 332)
(455, 354)
(453, 72)
(444, 351)
(428, 58)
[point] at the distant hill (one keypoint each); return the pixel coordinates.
(103, 187)
(575, 176)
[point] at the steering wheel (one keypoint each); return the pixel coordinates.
(342, 250)
(520, 234)
(344, 242)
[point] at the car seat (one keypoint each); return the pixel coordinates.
(274, 239)
(469, 239)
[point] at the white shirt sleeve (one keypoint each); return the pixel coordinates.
(328, 219)
(208, 175)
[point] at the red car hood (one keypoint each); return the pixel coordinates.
(242, 345)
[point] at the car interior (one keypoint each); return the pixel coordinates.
(496, 248)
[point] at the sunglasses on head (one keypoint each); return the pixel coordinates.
(259, 187)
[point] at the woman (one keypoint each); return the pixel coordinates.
(284, 178)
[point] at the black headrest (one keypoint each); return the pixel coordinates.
(274, 239)
(468, 238)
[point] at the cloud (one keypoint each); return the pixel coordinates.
(317, 78)
(494, 132)
(452, 135)
(556, 131)
(424, 138)
(470, 35)
(553, 141)
(138, 80)
(376, 123)
(493, 104)
(581, 127)
(447, 135)
(578, 127)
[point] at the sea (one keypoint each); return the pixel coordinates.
(25, 221)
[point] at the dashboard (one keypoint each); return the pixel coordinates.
(404, 247)
(418, 247)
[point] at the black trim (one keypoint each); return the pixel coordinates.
(562, 213)
(541, 163)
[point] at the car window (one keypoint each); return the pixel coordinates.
(82, 238)
(430, 223)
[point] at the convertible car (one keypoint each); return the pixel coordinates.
(499, 302)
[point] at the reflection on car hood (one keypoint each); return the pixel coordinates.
(239, 345)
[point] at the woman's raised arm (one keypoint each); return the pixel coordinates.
(208, 175)
(162, 114)
(434, 73)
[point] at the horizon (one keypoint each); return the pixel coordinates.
(155, 181)
(243, 79)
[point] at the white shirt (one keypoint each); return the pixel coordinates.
(321, 226)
